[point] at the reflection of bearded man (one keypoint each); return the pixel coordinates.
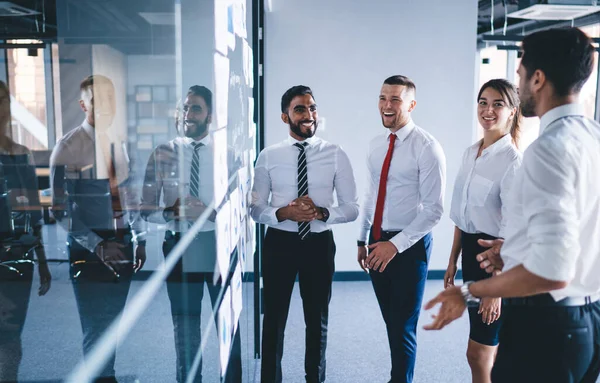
(195, 128)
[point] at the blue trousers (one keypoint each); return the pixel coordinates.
(399, 290)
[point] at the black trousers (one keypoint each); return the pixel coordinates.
(286, 256)
(399, 290)
(99, 295)
(15, 292)
(186, 292)
(548, 344)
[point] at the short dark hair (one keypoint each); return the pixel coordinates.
(89, 81)
(288, 96)
(565, 55)
(401, 80)
(204, 92)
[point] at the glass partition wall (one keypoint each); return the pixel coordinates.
(126, 152)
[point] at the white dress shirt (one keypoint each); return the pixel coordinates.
(276, 184)
(76, 152)
(414, 200)
(164, 182)
(482, 186)
(553, 223)
(163, 179)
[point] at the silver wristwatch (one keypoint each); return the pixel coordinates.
(469, 298)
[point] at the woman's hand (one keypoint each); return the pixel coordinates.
(490, 308)
(450, 275)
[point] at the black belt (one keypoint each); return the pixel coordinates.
(547, 300)
(386, 235)
(294, 234)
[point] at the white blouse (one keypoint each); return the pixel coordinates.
(482, 185)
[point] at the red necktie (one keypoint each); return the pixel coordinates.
(382, 189)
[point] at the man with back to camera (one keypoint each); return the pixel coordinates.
(86, 164)
(404, 201)
(293, 194)
(550, 258)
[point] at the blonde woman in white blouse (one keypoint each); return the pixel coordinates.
(485, 176)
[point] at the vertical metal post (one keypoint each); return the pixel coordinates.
(3, 64)
(511, 64)
(49, 82)
(597, 111)
(258, 38)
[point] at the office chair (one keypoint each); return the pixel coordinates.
(19, 212)
(90, 207)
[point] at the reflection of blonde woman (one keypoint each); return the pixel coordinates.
(480, 192)
(14, 294)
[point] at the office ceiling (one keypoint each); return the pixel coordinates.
(27, 19)
(146, 26)
(131, 26)
(497, 11)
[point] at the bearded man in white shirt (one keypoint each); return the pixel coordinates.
(550, 259)
(292, 193)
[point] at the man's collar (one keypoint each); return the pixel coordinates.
(310, 141)
(403, 132)
(560, 112)
(88, 129)
(205, 141)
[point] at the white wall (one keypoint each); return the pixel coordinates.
(345, 49)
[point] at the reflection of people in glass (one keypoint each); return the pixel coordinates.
(92, 196)
(164, 177)
(20, 232)
(293, 193)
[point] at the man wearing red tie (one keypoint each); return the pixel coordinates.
(404, 201)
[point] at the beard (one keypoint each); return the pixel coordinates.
(198, 129)
(297, 129)
(527, 106)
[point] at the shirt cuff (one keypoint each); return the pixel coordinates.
(139, 236)
(269, 216)
(401, 242)
(333, 214)
(363, 235)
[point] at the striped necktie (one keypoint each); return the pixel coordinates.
(195, 171)
(303, 227)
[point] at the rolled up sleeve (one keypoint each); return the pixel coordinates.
(551, 212)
